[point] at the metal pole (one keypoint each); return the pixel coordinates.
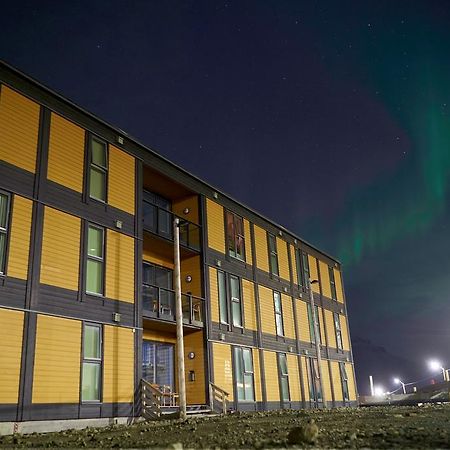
(179, 319)
(404, 387)
(316, 336)
(372, 390)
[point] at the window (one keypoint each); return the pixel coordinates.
(243, 373)
(278, 313)
(230, 300)
(332, 283)
(223, 303)
(95, 260)
(157, 289)
(235, 235)
(315, 388)
(92, 362)
(98, 169)
(157, 214)
(273, 255)
(344, 380)
(4, 215)
(284, 377)
(337, 327)
(311, 323)
(306, 274)
(236, 306)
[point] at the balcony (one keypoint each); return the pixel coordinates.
(159, 303)
(159, 221)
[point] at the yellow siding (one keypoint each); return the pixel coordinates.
(216, 226)
(336, 377)
(283, 262)
(66, 153)
(313, 273)
(118, 365)
(329, 322)
(191, 203)
(121, 180)
(288, 317)
(272, 382)
(262, 255)
(248, 242)
(326, 382)
(322, 326)
(257, 375)
(294, 264)
(303, 323)
(195, 390)
(19, 125)
(305, 378)
(249, 305)
(294, 379)
(267, 310)
(325, 279)
(159, 336)
(60, 249)
(19, 246)
(339, 288)
(223, 369)
(344, 330)
(119, 266)
(191, 266)
(11, 331)
(213, 295)
(351, 381)
(57, 360)
(150, 255)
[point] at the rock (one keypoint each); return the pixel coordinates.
(175, 446)
(304, 434)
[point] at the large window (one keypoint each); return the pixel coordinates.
(332, 283)
(95, 260)
(315, 387)
(311, 320)
(273, 255)
(243, 373)
(337, 327)
(278, 313)
(92, 363)
(235, 235)
(157, 214)
(4, 214)
(158, 363)
(305, 267)
(236, 302)
(98, 169)
(344, 381)
(223, 303)
(157, 289)
(230, 299)
(284, 377)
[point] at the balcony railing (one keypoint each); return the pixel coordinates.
(160, 221)
(160, 303)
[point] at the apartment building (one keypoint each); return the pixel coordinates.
(87, 303)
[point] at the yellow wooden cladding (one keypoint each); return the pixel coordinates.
(213, 295)
(66, 153)
(326, 383)
(322, 326)
(302, 321)
(248, 292)
(339, 288)
(150, 254)
(216, 226)
(248, 242)
(257, 375)
(11, 331)
(159, 336)
(262, 254)
(313, 273)
(195, 390)
(331, 332)
(294, 263)
(344, 330)
(19, 245)
(57, 360)
(283, 261)
(351, 381)
(121, 180)
(337, 384)
(118, 365)
(288, 317)
(187, 203)
(325, 279)
(19, 127)
(294, 379)
(223, 368)
(305, 377)
(119, 266)
(191, 267)
(60, 249)
(271, 372)
(267, 310)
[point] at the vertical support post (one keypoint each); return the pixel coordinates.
(372, 390)
(179, 319)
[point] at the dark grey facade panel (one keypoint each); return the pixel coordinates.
(16, 180)
(12, 292)
(8, 412)
(227, 264)
(247, 337)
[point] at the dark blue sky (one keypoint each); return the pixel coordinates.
(332, 118)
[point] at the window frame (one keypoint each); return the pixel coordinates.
(314, 381)
(230, 300)
(224, 313)
(332, 283)
(238, 352)
(91, 165)
(312, 330)
(102, 260)
(273, 252)
(283, 376)
(96, 361)
(233, 238)
(306, 272)
(236, 300)
(338, 331)
(278, 313)
(344, 382)
(6, 232)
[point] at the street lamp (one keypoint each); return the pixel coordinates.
(379, 391)
(398, 381)
(435, 366)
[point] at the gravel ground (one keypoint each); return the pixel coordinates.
(376, 427)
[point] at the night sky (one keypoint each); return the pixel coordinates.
(330, 117)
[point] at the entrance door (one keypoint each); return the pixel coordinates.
(158, 363)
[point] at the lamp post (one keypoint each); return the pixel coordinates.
(316, 333)
(398, 381)
(435, 366)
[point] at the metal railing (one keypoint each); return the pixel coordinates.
(159, 221)
(160, 302)
(218, 399)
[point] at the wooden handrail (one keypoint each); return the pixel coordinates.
(218, 394)
(153, 399)
(217, 388)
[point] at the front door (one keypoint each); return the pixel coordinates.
(158, 363)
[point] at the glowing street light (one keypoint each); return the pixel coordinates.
(435, 366)
(379, 391)
(398, 381)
